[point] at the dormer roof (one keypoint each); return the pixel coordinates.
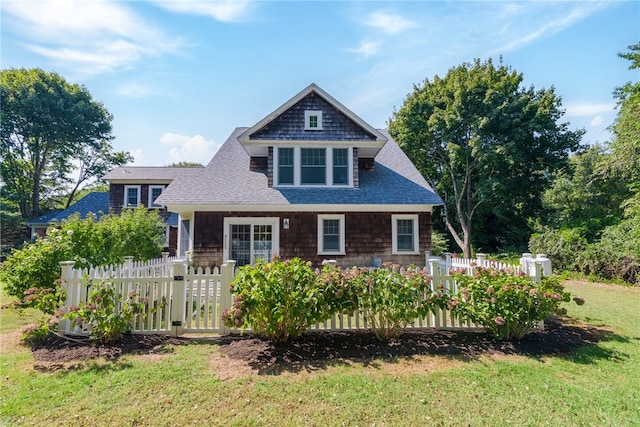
(286, 126)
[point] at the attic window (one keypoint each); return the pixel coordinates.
(313, 120)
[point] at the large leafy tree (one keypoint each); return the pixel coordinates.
(48, 126)
(488, 145)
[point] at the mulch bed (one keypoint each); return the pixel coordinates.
(557, 338)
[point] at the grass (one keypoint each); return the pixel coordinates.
(596, 386)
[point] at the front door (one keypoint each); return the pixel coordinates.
(250, 239)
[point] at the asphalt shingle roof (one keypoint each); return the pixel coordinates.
(147, 173)
(94, 202)
(227, 180)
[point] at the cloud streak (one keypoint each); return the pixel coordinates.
(224, 11)
(185, 148)
(86, 37)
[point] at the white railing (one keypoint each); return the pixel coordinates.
(176, 301)
(179, 300)
(528, 265)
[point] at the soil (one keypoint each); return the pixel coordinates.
(320, 349)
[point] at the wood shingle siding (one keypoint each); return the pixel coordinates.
(289, 126)
(368, 235)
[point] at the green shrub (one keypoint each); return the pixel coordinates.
(278, 300)
(389, 299)
(88, 242)
(507, 306)
(561, 246)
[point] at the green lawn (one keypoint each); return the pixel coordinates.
(598, 386)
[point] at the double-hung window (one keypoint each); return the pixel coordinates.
(154, 192)
(405, 234)
(285, 166)
(131, 196)
(340, 166)
(331, 235)
(313, 166)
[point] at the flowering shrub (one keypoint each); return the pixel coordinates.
(507, 306)
(390, 299)
(107, 316)
(278, 300)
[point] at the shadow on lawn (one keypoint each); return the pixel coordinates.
(320, 350)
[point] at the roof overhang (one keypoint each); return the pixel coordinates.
(258, 209)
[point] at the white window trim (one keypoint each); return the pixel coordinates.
(151, 204)
(274, 222)
(126, 193)
(307, 119)
(394, 234)
(297, 168)
(341, 239)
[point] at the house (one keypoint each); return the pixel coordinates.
(133, 186)
(310, 180)
(95, 202)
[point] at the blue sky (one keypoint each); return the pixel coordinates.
(179, 76)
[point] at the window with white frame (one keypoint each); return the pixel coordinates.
(154, 192)
(313, 166)
(131, 196)
(313, 120)
(404, 230)
(285, 166)
(331, 235)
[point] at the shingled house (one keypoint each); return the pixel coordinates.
(310, 180)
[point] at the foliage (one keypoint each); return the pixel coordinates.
(487, 145)
(625, 148)
(389, 299)
(184, 164)
(88, 242)
(561, 246)
(45, 124)
(106, 315)
(616, 255)
(278, 300)
(585, 195)
(507, 306)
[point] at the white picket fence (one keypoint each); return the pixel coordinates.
(179, 300)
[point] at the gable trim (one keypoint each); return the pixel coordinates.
(245, 136)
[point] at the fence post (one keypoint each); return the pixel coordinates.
(537, 271)
(66, 267)
(481, 259)
(178, 294)
(128, 264)
(227, 273)
(434, 271)
(447, 262)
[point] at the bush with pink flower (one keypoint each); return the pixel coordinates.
(507, 306)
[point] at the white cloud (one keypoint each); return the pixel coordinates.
(225, 11)
(597, 121)
(519, 17)
(573, 110)
(186, 148)
(86, 37)
(388, 23)
(366, 49)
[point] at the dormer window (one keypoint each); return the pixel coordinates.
(313, 120)
(313, 166)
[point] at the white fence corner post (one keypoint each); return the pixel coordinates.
(227, 273)
(481, 259)
(128, 262)
(537, 271)
(66, 267)
(178, 297)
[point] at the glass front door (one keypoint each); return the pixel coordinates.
(251, 240)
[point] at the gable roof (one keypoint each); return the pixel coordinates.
(257, 146)
(227, 183)
(94, 202)
(148, 174)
